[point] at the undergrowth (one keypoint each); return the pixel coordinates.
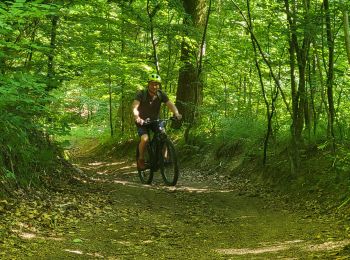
(28, 153)
(237, 149)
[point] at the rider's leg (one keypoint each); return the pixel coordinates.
(143, 142)
(142, 145)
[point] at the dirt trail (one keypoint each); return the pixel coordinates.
(109, 214)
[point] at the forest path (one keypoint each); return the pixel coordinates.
(109, 214)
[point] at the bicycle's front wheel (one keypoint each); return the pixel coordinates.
(168, 163)
(146, 175)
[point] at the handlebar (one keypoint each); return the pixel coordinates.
(148, 121)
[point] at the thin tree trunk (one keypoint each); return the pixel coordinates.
(28, 61)
(330, 44)
(346, 33)
(267, 62)
(269, 115)
(50, 65)
(151, 14)
(313, 91)
(202, 48)
(123, 32)
(110, 90)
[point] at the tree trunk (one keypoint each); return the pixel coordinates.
(123, 103)
(28, 61)
(269, 114)
(330, 44)
(109, 79)
(51, 81)
(190, 85)
(347, 33)
(298, 53)
(151, 14)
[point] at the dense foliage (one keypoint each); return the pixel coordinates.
(263, 72)
(27, 149)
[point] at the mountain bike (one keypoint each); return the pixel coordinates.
(160, 155)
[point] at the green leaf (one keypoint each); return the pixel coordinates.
(9, 174)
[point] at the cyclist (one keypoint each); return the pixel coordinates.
(146, 105)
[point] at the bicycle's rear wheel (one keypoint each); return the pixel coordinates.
(168, 163)
(146, 175)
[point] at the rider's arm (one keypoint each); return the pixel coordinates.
(135, 111)
(173, 109)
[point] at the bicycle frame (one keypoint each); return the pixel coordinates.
(162, 155)
(156, 142)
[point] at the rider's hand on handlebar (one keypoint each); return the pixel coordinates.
(139, 121)
(178, 116)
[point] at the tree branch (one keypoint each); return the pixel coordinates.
(276, 80)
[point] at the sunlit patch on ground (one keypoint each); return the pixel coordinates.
(328, 246)
(25, 235)
(199, 190)
(300, 244)
(79, 252)
(102, 173)
(103, 163)
(147, 241)
(115, 163)
(96, 163)
(158, 185)
(29, 236)
(125, 243)
(125, 167)
(255, 251)
(260, 250)
(131, 184)
(100, 164)
(80, 179)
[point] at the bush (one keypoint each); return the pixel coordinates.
(25, 147)
(239, 134)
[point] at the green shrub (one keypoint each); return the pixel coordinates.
(25, 146)
(241, 132)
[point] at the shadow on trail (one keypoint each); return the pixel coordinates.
(215, 221)
(124, 172)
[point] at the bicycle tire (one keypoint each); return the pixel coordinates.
(168, 163)
(146, 175)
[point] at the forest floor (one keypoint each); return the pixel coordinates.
(104, 212)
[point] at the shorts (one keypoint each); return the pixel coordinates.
(141, 130)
